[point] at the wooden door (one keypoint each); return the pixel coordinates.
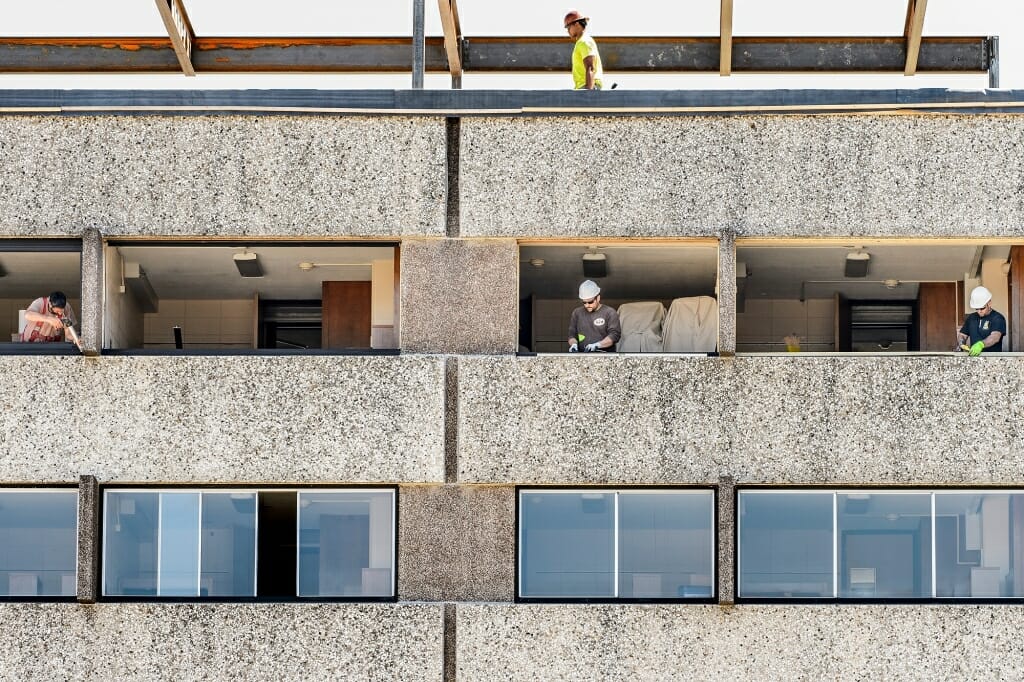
(346, 315)
(1015, 315)
(938, 318)
(843, 324)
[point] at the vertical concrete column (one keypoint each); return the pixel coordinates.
(455, 543)
(460, 295)
(727, 293)
(88, 538)
(726, 540)
(92, 292)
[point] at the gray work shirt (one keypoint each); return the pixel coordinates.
(595, 325)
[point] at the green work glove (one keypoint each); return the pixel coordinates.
(977, 348)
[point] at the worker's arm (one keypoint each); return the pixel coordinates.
(614, 329)
(992, 339)
(31, 316)
(590, 67)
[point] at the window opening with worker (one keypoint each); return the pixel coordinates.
(40, 295)
(601, 298)
(251, 296)
(587, 71)
(943, 296)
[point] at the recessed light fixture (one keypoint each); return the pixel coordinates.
(537, 262)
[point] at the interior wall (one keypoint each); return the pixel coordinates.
(204, 324)
(122, 317)
(995, 280)
(764, 324)
(382, 309)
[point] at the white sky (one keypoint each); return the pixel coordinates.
(1004, 18)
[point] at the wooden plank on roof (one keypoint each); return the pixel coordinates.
(725, 31)
(914, 28)
(452, 35)
(179, 28)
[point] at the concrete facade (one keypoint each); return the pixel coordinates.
(457, 420)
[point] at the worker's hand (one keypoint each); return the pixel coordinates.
(591, 347)
(573, 348)
(977, 348)
(56, 321)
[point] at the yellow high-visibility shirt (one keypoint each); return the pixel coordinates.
(585, 47)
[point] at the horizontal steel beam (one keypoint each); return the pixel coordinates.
(369, 55)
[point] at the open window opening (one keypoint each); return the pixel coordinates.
(258, 295)
(32, 273)
(874, 297)
(663, 296)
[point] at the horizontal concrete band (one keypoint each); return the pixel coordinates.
(211, 176)
(764, 176)
(210, 419)
(791, 419)
(221, 641)
(749, 642)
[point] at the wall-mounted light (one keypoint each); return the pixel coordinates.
(248, 264)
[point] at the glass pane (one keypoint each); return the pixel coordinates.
(346, 544)
(785, 545)
(38, 539)
(567, 544)
(665, 545)
(129, 536)
(179, 545)
(885, 545)
(978, 545)
(229, 545)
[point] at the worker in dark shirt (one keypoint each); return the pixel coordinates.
(594, 326)
(984, 329)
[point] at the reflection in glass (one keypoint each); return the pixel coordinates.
(665, 545)
(346, 544)
(885, 545)
(785, 545)
(975, 553)
(179, 544)
(178, 575)
(130, 544)
(38, 539)
(567, 545)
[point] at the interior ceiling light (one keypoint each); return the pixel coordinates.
(248, 264)
(857, 263)
(595, 264)
(537, 262)
(306, 266)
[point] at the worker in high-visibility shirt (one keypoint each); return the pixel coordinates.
(586, 62)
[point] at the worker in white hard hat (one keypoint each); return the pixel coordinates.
(984, 329)
(593, 327)
(586, 61)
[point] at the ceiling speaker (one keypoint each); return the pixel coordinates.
(248, 265)
(857, 264)
(595, 265)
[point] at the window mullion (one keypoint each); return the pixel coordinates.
(615, 531)
(934, 519)
(835, 544)
(199, 548)
(159, 539)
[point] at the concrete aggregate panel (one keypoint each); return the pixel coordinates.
(220, 642)
(256, 418)
(767, 176)
(790, 419)
(222, 176)
(792, 642)
(456, 543)
(460, 296)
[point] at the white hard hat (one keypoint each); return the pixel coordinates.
(980, 296)
(588, 290)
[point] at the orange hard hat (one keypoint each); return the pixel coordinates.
(572, 17)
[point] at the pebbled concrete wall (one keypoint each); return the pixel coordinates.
(815, 176)
(207, 419)
(222, 176)
(220, 641)
(791, 419)
(792, 642)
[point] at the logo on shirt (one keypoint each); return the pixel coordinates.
(599, 322)
(984, 325)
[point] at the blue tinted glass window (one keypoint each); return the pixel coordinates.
(346, 544)
(567, 544)
(130, 523)
(884, 545)
(178, 572)
(665, 544)
(38, 543)
(785, 545)
(228, 545)
(979, 538)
